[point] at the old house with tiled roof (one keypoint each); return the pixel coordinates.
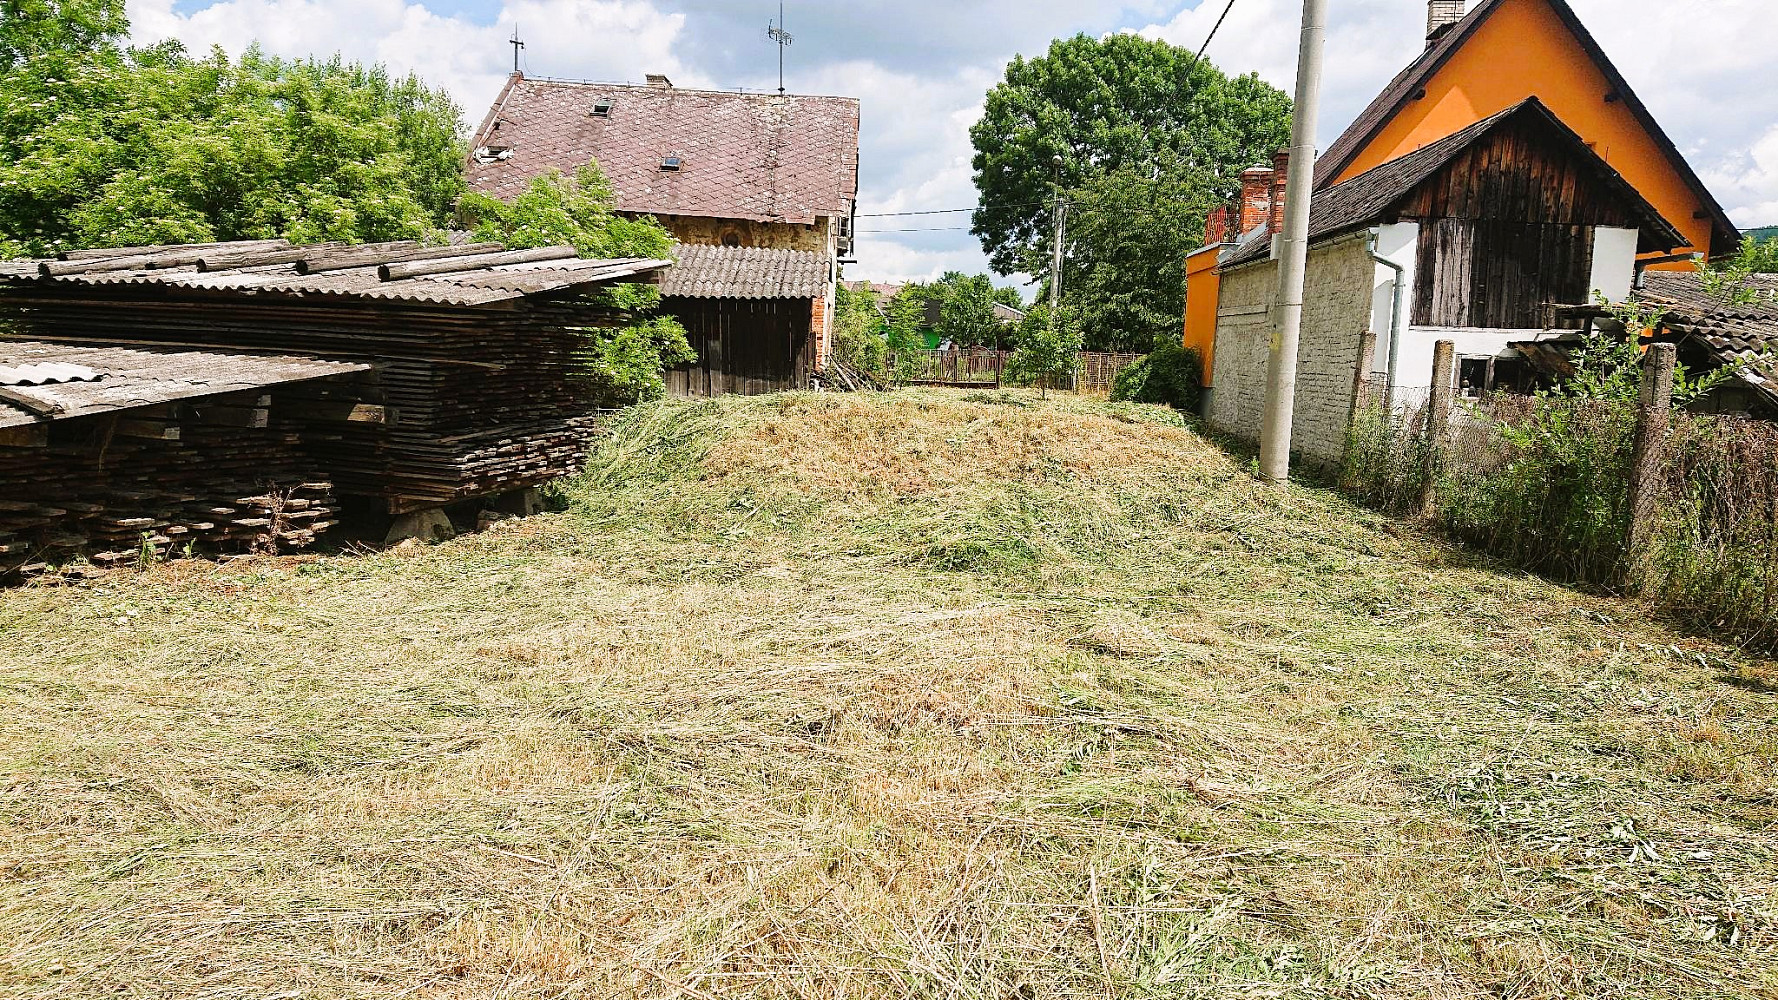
(1507, 173)
(774, 174)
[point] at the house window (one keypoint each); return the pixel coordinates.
(671, 163)
(1473, 377)
(601, 109)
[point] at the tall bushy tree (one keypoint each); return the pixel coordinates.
(1122, 102)
(1129, 233)
(106, 146)
(557, 210)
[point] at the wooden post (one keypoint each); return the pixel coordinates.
(1361, 378)
(1653, 421)
(1438, 421)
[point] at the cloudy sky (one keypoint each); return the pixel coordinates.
(921, 68)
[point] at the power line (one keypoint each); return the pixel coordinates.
(935, 229)
(945, 211)
(1208, 39)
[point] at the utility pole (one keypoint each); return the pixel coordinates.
(1056, 253)
(1293, 253)
(516, 46)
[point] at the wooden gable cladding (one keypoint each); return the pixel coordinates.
(745, 346)
(1523, 171)
(1507, 226)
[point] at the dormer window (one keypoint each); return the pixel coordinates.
(492, 154)
(601, 109)
(671, 163)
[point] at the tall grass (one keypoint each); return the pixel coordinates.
(1543, 482)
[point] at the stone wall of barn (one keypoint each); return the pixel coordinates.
(817, 237)
(1337, 306)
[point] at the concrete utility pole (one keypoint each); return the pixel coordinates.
(1056, 252)
(1293, 253)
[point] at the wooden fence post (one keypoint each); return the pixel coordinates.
(1653, 421)
(1361, 380)
(1438, 421)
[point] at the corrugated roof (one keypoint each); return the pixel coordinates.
(130, 377)
(746, 273)
(1732, 331)
(1364, 199)
(1411, 80)
(485, 274)
(764, 157)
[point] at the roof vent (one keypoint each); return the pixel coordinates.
(657, 80)
(601, 109)
(672, 163)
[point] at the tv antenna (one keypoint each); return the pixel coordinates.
(776, 32)
(516, 46)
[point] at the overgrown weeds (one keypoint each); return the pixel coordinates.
(882, 695)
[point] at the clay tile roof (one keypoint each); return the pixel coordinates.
(764, 157)
(1731, 329)
(1364, 199)
(746, 273)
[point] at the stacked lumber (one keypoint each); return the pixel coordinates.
(167, 480)
(482, 381)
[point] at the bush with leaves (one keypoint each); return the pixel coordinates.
(860, 333)
(557, 210)
(1172, 374)
(1046, 348)
(106, 146)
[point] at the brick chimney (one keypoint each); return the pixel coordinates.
(1440, 15)
(1256, 198)
(1280, 177)
(1216, 224)
(660, 79)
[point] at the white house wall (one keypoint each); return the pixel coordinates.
(1614, 262)
(1399, 243)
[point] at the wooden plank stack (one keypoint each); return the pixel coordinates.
(482, 381)
(211, 479)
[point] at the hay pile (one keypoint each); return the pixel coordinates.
(924, 695)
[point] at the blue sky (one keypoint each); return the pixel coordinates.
(921, 67)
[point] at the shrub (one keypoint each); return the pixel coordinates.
(1172, 374)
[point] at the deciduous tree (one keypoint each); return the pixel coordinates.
(1122, 102)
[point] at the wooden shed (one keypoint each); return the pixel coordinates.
(749, 313)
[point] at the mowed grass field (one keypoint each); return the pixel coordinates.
(918, 695)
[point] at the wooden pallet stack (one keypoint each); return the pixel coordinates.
(482, 383)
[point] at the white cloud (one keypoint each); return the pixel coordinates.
(594, 39)
(922, 67)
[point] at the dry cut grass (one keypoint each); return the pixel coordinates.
(922, 695)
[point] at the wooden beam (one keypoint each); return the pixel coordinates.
(30, 404)
(419, 269)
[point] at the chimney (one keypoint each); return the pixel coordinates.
(658, 80)
(1256, 198)
(1280, 176)
(1440, 15)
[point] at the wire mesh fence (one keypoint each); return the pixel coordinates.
(1544, 482)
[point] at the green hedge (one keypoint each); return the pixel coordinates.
(1172, 374)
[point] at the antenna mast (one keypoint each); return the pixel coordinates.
(777, 34)
(516, 46)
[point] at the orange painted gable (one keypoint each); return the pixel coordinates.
(1525, 49)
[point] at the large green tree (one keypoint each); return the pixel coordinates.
(1128, 233)
(106, 146)
(1102, 105)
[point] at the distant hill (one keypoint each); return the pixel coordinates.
(1767, 233)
